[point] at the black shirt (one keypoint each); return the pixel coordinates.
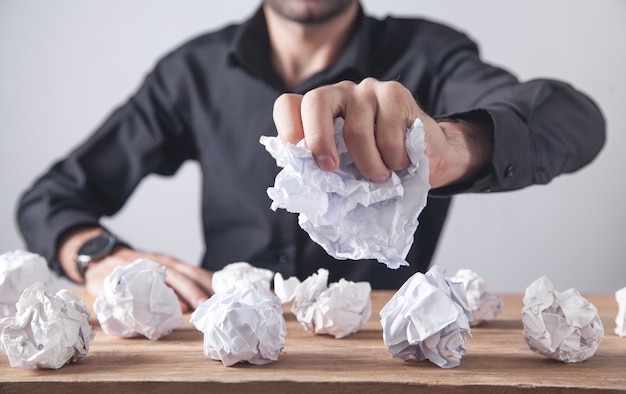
(211, 99)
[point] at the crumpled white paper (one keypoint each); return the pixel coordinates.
(285, 289)
(48, 330)
(428, 318)
(136, 301)
(484, 304)
(561, 325)
(620, 318)
(19, 269)
(347, 214)
(244, 323)
(231, 273)
(340, 309)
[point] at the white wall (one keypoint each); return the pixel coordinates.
(65, 64)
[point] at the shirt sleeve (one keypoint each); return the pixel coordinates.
(143, 136)
(541, 128)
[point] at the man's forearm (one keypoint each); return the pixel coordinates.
(469, 151)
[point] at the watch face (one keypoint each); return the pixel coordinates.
(96, 247)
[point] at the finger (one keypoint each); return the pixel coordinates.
(204, 279)
(199, 275)
(183, 305)
(358, 134)
(188, 291)
(319, 108)
(391, 124)
(287, 118)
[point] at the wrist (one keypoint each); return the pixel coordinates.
(468, 150)
(68, 249)
(83, 247)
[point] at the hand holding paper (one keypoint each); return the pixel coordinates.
(350, 216)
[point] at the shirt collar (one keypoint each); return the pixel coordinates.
(250, 50)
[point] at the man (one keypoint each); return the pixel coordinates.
(211, 99)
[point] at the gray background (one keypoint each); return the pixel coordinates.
(65, 64)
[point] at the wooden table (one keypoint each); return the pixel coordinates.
(497, 360)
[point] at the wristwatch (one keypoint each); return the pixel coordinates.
(94, 249)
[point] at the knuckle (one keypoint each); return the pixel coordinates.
(283, 98)
(399, 163)
(369, 83)
(394, 89)
(367, 89)
(388, 144)
(312, 98)
(281, 101)
(284, 103)
(323, 93)
(394, 159)
(345, 85)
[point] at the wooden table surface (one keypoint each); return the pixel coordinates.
(497, 360)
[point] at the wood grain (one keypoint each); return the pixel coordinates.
(497, 360)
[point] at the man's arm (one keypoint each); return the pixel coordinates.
(63, 208)
(540, 128)
(496, 134)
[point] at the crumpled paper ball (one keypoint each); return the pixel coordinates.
(340, 309)
(48, 330)
(285, 289)
(428, 318)
(620, 318)
(350, 216)
(564, 325)
(230, 274)
(20, 269)
(484, 304)
(244, 323)
(136, 301)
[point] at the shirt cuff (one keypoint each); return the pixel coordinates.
(510, 167)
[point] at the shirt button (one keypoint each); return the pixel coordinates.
(485, 190)
(509, 171)
(283, 258)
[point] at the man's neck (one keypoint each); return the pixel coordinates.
(300, 50)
